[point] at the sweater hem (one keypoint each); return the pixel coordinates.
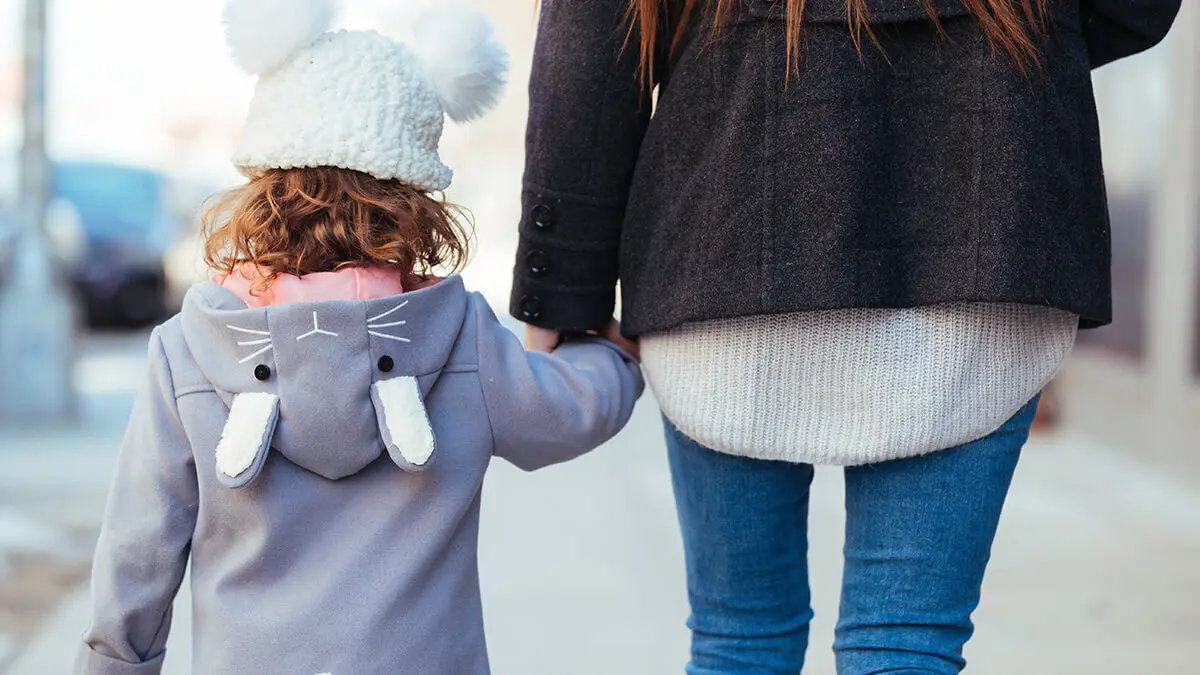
(836, 458)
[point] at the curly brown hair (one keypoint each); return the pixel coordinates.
(302, 221)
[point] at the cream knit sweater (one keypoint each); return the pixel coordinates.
(855, 386)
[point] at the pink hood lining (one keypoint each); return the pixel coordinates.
(351, 283)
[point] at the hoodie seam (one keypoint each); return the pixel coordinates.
(194, 389)
(487, 413)
(161, 353)
(479, 375)
(209, 389)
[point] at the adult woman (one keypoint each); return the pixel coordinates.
(853, 232)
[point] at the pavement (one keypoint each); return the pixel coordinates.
(1095, 569)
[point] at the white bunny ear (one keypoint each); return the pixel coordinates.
(262, 34)
(456, 45)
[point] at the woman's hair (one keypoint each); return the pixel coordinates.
(301, 221)
(1013, 26)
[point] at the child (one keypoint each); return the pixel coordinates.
(318, 419)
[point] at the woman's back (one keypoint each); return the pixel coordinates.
(929, 169)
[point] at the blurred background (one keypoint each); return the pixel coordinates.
(1097, 565)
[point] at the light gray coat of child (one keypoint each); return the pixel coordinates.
(320, 465)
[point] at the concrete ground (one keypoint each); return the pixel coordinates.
(1096, 568)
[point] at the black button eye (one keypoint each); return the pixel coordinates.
(538, 263)
(542, 216)
(386, 364)
(531, 307)
(262, 372)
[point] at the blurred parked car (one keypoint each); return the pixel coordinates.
(125, 231)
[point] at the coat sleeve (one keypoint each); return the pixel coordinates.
(146, 535)
(1114, 29)
(588, 114)
(550, 408)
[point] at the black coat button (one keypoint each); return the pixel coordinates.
(262, 372)
(531, 307)
(542, 216)
(386, 364)
(537, 262)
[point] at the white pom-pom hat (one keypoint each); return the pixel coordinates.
(358, 99)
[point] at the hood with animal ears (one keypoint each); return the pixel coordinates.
(330, 385)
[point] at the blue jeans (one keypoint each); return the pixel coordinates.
(918, 537)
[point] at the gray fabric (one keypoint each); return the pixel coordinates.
(932, 172)
(332, 558)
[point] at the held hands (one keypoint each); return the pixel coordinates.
(612, 332)
(540, 339)
(547, 340)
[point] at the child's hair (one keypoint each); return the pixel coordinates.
(302, 221)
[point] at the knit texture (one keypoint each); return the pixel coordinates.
(856, 386)
(355, 100)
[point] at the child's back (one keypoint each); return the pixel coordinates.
(313, 444)
(312, 550)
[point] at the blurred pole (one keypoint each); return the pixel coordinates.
(36, 316)
(1175, 231)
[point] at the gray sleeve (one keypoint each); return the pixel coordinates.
(146, 535)
(1114, 29)
(549, 408)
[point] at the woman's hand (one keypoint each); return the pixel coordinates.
(541, 339)
(546, 340)
(612, 332)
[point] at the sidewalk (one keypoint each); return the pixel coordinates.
(1095, 568)
(60, 476)
(52, 489)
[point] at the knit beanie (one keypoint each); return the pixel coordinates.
(358, 99)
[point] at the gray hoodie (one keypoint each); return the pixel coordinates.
(321, 464)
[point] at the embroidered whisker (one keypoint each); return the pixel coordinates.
(248, 343)
(397, 307)
(247, 330)
(261, 351)
(389, 337)
(387, 325)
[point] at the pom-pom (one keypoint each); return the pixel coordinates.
(262, 34)
(458, 50)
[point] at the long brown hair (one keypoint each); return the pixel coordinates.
(301, 221)
(1013, 26)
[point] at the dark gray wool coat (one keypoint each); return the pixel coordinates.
(931, 171)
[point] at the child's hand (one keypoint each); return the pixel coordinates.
(612, 332)
(547, 340)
